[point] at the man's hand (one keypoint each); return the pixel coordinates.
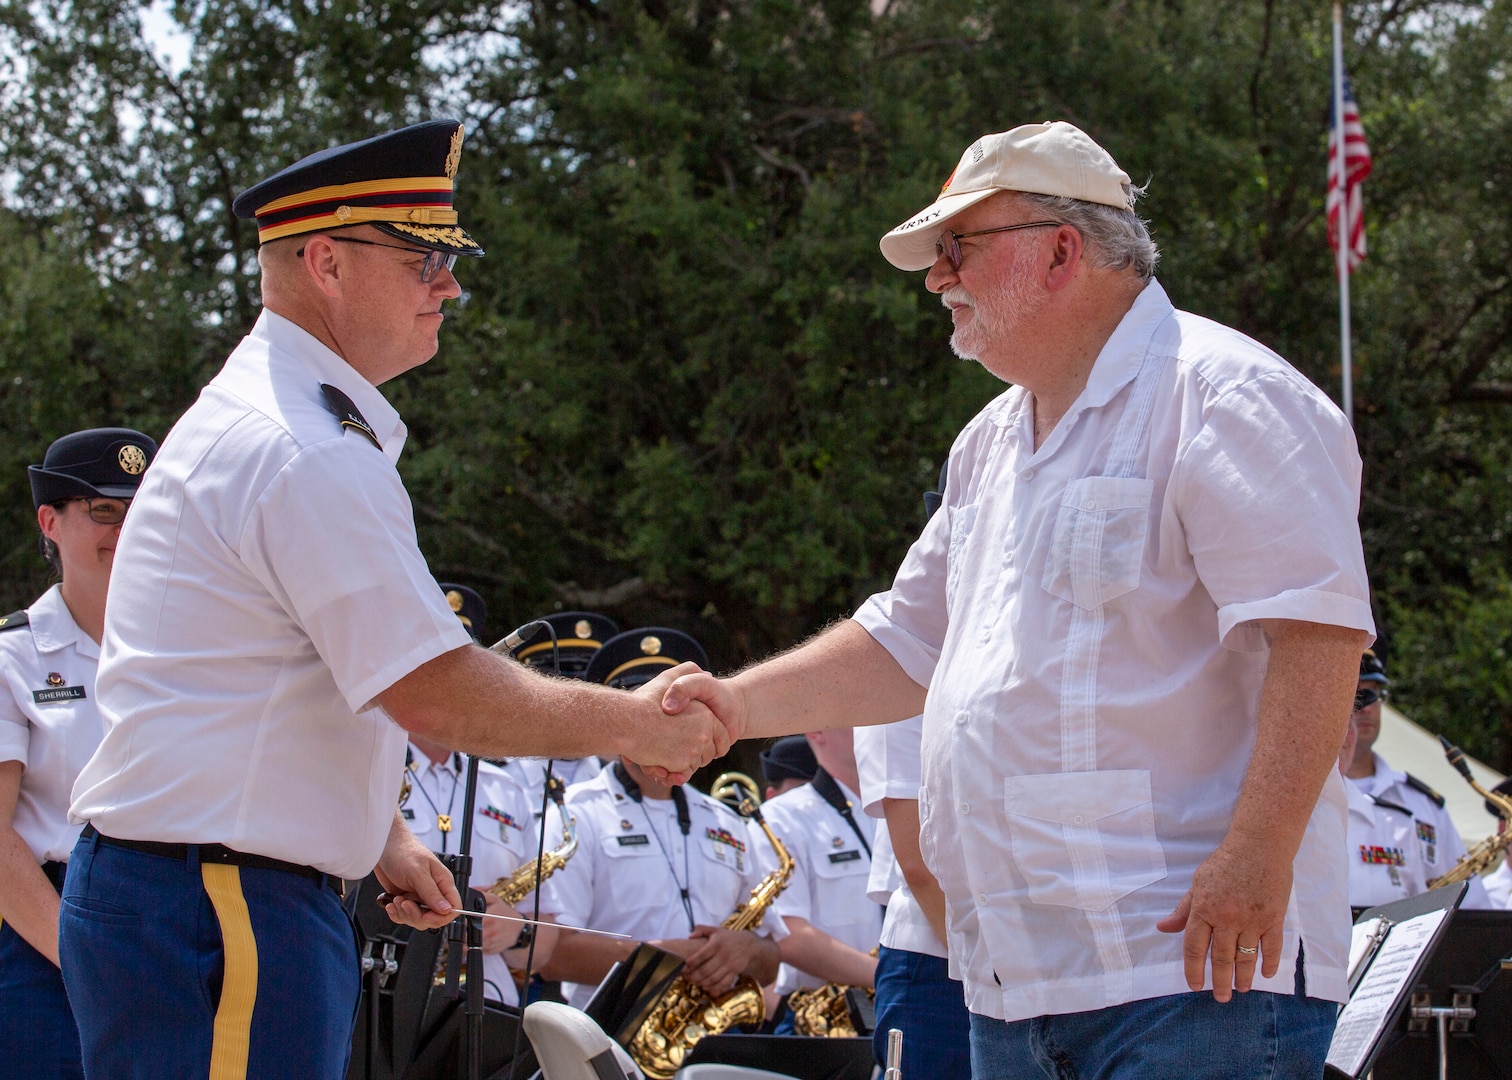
(672, 745)
(1235, 903)
(413, 878)
(700, 689)
(499, 935)
(722, 957)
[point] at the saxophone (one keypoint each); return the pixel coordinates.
(685, 1013)
(1479, 858)
(825, 1011)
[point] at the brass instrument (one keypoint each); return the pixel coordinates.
(1480, 858)
(733, 788)
(685, 1013)
(825, 1011)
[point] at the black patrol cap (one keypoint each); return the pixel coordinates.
(99, 463)
(399, 182)
(469, 607)
(579, 634)
(637, 656)
(1371, 668)
(789, 758)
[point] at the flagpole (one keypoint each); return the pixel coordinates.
(1345, 234)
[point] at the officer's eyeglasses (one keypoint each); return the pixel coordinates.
(949, 243)
(1364, 699)
(104, 511)
(434, 260)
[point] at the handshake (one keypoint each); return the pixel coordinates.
(685, 719)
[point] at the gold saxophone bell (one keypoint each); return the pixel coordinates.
(685, 1014)
(733, 788)
(1480, 858)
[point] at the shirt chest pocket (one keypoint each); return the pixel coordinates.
(1083, 840)
(840, 884)
(636, 871)
(1097, 547)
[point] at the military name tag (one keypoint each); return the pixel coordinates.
(845, 856)
(632, 841)
(60, 693)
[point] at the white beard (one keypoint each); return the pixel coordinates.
(996, 315)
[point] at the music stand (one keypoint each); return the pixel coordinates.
(1467, 971)
(631, 990)
(397, 966)
(801, 1057)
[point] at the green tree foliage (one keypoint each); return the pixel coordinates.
(684, 387)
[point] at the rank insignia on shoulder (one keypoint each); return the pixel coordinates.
(346, 412)
(724, 836)
(15, 620)
(1376, 855)
(1418, 785)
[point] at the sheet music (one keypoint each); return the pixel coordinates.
(1364, 1019)
(1364, 937)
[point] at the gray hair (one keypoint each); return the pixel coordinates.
(1116, 239)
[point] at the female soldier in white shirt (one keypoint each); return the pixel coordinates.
(48, 730)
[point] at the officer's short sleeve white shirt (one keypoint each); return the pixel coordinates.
(1086, 616)
(268, 585)
(828, 888)
(632, 860)
(49, 720)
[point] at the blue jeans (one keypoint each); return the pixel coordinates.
(38, 1037)
(1253, 1036)
(172, 966)
(916, 995)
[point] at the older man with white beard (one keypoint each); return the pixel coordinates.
(1137, 621)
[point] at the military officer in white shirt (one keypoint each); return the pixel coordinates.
(832, 928)
(1400, 835)
(663, 864)
(49, 726)
(272, 635)
(1137, 617)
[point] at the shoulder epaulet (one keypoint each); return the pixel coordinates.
(1414, 782)
(1384, 805)
(15, 620)
(346, 412)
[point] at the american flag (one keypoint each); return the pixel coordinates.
(1356, 169)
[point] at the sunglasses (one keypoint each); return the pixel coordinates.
(103, 511)
(949, 243)
(434, 260)
(1364, 699)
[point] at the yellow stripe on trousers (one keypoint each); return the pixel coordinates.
(233, 1020)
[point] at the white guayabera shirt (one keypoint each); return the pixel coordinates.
(1085, 618)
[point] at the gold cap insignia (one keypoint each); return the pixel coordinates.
(583, 629)
(454, 599)
(454, 155)
(133, 459)
(650, 644)
(54, 679)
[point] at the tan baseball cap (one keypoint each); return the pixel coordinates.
(1054, 158)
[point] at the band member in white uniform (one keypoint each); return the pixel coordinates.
(665, 865)
(832, 926)
(48, 729)
(504, 838)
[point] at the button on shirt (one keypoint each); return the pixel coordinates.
(630, 859)
(267, 587)
(504, 837)
(887, 759)
(830, 871)
(1399, 840)
(48, 720)
(1109, 672)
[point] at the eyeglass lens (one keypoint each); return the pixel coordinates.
(1366, 698)
(949, 245)
(105, 511)
(434, 261)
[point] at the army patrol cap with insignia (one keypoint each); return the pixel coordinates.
(469, 607)
(637, 656)
(401, 183)
(101, 463)
(579, 634)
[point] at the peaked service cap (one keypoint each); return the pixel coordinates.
(400, 182)
(1054, 158)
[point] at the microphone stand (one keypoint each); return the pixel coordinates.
(460, 864)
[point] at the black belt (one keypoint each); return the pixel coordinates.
(214, 853)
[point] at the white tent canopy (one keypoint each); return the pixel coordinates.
(1412, 749)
